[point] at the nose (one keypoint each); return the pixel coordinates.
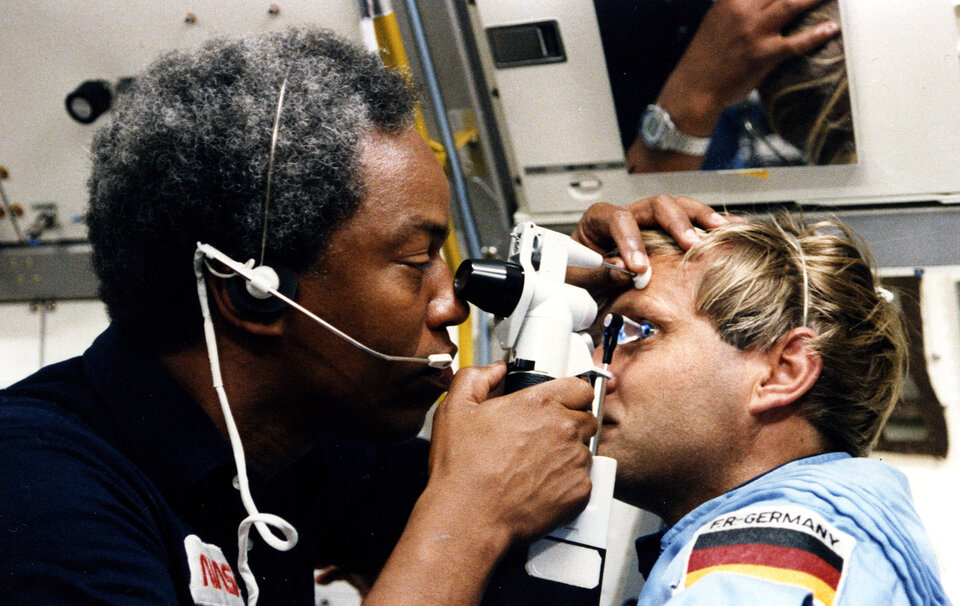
(446, 308)
(611, 381)
(598, 361)
(598, 355)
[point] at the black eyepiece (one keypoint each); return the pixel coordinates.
(492, 285)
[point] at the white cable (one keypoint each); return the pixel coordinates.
(262, 521)
(599, 394)
(806, 284)
(432, 360)
(795, 243)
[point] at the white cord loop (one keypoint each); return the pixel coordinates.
(262, 521)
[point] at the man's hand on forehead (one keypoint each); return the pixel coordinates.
(605, 227)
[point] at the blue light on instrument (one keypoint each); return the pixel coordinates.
(631, 331)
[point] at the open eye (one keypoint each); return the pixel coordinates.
(633, 331)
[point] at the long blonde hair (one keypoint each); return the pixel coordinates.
(807, 98)
(762, 279)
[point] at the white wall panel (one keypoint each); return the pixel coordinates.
(49, 47)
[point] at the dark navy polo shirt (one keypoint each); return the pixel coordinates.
(107, 465)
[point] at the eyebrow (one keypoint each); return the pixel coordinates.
(651, 309)
(419, 224)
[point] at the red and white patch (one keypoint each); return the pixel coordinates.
(212, 582)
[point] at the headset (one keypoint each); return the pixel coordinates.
(258, 304)
(263, 293)
(265, 286)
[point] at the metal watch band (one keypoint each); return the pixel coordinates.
(659, 132)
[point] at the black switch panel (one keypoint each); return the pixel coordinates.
(526, 44)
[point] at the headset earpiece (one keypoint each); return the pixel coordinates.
(250, 297)
(263, 280)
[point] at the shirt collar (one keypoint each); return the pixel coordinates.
(155, 422)
(648, 551)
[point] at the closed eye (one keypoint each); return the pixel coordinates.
(421, 262)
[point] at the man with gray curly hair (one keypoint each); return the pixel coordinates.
(123, 474)
(756, 371)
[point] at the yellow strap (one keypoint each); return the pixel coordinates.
(393, 55)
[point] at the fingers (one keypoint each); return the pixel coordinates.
(565, 401)
(518, 462)
(676, 216)
(779, 13)
(602, 222)
(475, 383)
(587, 426)
(604, 227)
(812, 38)
(593, 229)
(625, 232)
(571, 392)
(575, 397)
(782, 13)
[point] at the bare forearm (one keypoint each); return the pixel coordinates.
(737, 44)
(503, 469)
(641, 159)
(694, 113)
(444, 557)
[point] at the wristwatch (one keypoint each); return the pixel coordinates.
(659, 132)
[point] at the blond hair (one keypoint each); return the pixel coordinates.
(763, 278)
(807, 97)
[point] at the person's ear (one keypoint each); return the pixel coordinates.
(232, 309)
(792, 366)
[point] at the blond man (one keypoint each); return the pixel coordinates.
(759, 370)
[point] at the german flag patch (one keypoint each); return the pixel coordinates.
(783, 544)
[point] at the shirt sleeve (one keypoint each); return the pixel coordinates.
(73, 529)
(771, 553)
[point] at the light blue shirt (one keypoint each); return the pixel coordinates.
(830, 529)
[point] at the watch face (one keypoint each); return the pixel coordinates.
(651, 127)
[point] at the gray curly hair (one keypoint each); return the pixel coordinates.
(766, 277)
(185, 160)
